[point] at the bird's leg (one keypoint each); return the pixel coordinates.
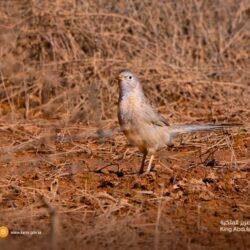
(142, 163)
(150, 163)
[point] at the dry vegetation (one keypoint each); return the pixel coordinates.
(64, 168)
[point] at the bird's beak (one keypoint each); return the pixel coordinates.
(120, 78)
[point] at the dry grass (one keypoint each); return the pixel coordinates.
(58, 125)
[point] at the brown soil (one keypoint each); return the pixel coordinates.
(87, 193)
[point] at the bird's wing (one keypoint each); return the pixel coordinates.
(161, 121)
(151, 116)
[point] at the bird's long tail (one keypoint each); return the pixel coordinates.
(197, 127)
(181, 129)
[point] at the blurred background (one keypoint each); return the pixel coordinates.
(58, 59)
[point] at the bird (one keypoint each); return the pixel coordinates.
(143, 126)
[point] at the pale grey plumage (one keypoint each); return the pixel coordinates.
(143, 125)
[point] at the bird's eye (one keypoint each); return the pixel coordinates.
(130, 77)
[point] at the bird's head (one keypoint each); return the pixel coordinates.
(128, 82)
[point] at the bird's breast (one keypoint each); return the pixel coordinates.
(128, 107)
(131, 102)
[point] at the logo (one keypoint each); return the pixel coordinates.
(4, 232)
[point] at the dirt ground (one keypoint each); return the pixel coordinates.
(87, 194)
(68, 177)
